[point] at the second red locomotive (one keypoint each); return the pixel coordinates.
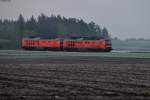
(66, 45)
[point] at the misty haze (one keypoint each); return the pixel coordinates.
(124, 19)
(74, 49)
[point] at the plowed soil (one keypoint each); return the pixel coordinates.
(74, 78)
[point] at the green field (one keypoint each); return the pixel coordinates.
(30, 54)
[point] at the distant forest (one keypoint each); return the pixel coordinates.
(11, 32)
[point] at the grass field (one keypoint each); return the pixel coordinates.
(30, 54)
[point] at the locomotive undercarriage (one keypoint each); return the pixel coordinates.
(71, 49)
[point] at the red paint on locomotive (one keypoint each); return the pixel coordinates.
(84, 44)
(67, 44)
(49, 43)
(30, 43)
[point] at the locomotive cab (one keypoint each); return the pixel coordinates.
(108, 45)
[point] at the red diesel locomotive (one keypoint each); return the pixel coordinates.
(66, 45)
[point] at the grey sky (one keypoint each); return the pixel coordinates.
(123, 18)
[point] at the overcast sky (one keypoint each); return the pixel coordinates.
(123, 18)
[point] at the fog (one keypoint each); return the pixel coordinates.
(123, 18)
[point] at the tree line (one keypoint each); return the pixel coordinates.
(47, 27)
